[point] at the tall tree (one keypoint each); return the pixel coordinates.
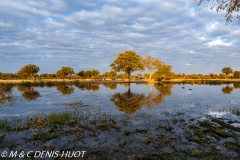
(65, 72)
(152, 64)
(163, 72)
(230, 6)
(127, 62)
(227, 71)
(28, 71)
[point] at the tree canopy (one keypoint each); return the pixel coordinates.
(227, 71)
(152, 64)
(127, 62)
(230, 6)
(65, 72)
(28, 71)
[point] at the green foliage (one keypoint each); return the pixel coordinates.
(28, 72)
(47, 76)
(65, 72)
(94, 74)
(127, 62)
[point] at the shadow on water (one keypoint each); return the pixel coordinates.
(129, 102)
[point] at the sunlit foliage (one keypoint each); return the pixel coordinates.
(127, 62)
(28, 72)
(152, 64)
(227, 71)
(65, 72)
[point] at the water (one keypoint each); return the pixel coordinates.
(154, 99)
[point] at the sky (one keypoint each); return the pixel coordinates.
(87, 34)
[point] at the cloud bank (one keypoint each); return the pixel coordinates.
(90, 34)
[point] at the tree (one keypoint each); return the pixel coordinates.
(230, 6)
(163, 72)
(65, 72)
(127, 62)
(112, 75)
(227, 71)
(236, 74)
(152, 64)
(28, 71)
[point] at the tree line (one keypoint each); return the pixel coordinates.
(121, 68)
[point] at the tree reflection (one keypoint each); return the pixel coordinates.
(28, 92)
(31, 95)
(128, 102)
(154, 99)
(227, 90)
(111, 86)
(65, 90)
(236, 85)
(88, 86)
(5, 93)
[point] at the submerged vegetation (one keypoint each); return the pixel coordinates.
(137, 136)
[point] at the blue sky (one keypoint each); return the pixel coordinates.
(87, 34)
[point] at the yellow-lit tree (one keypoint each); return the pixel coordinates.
(127, 62)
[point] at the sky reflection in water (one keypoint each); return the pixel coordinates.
(123, 98)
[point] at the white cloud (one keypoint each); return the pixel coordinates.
(219, 42)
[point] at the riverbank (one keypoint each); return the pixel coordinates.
(121, 81)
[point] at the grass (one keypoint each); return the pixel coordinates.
(235, 110)
(122, 137)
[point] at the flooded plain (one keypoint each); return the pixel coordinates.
(124, 98)
(123, 120)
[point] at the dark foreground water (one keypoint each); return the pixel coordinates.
(122, 121)
(123, 98)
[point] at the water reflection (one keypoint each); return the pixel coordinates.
(227, 89)
(111, 86)
(5, 94)
(88, 86)
(129, 102)
(236, 85)
(28, 92)
(65, 90)
(154, 99)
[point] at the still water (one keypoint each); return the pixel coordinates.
(122, 98)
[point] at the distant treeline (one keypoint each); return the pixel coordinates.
(122, 68)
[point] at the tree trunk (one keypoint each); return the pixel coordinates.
(150, 76)
(129, 76)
